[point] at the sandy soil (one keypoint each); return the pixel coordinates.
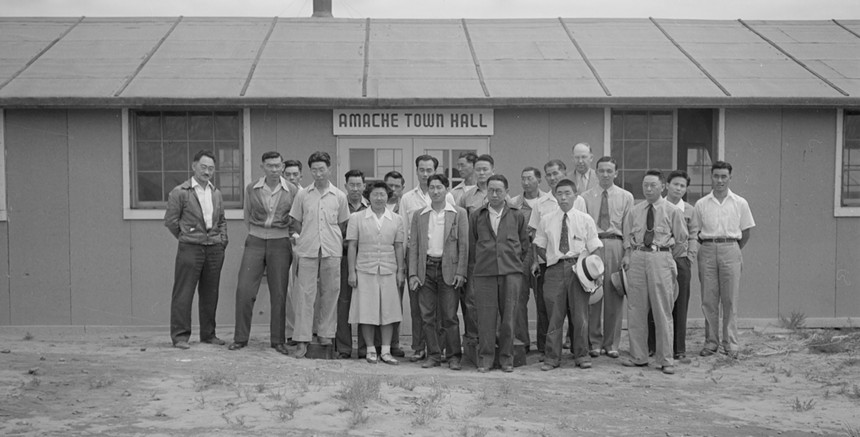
(128, 384)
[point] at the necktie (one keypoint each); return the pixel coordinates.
(563, 243)
(603, 218)
(649, 227)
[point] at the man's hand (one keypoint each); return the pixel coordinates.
(413, 283)
(353, 280)
(401, 277)
(535, 269)
(459, 281)
(625, 262)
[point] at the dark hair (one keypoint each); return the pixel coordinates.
(655, 172)
(565, 182)
(396, 175)
(719, 165)
(319, 157)
(353, 174)
(427, 158)
(470, 157)
(498, 177)
(293, 163)
(608, 159)
(377, 184)
(533, 170)
(678, 174)
(203, 153)
(555, 162)
(486, 158)
(438, 177)
(270, 155)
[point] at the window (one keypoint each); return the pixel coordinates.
(163, 145)
(448, 163)
(848, 164)
(666, 140)
(376, 163)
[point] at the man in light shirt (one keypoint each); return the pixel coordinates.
(563, 236)
(438, 258)
(676, 188)
(320, 211)
(267, 249)
(477, 197)
(607, 204)
(466, 169)
(293, 175)
(195, 216)
(498, 244)
(654, 233)
(725, 222)
(413, 201)
(583, 175)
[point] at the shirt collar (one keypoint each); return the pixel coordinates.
(262, 181)
(729, 194)
(195, 184)
(387, 215)
(448, 207)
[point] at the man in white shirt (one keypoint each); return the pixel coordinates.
(725, 221)
(413, 201)
(562, 237)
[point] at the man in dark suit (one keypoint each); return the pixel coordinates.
(195, 216)
(438, 251)
(498, 244)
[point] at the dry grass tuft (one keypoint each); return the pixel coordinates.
(213, 378)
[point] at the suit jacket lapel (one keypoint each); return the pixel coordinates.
(450, 217)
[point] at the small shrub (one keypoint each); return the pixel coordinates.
(356, 394)
(27, 336)
(287, 410)
(825, 343)
(213, 378)
(794, 322)
(428, 407)
(801, 406)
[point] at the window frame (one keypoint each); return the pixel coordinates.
(3, 212)
(838, 209)
(130, 213)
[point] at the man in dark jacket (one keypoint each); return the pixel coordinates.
(195, 216)
(498, 244)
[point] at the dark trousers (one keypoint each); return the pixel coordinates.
(197, 267)
(438, 302)
(679, 311)
(274, 257)
(531, 282)
(343, 334)
(563, 293)
(496, 302)
(470, 312)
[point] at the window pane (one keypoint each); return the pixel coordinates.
(148, 126)
(227, 127)
(660, 127)
(632, 182)
(852, 126)
(617, 126)
(362, 159)
(172, 179)
(635, 154)
(175, 126)
(618, 152)
(176, 156)
(149, 188)
(200, 127)
(660, 155)
(229, 157)
(635, 126)
(384, 157)
(148, 156)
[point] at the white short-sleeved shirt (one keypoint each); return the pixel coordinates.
(723, 220)
(320, 214)
(581, 233)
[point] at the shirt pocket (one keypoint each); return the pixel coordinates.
(661, 232)
(330, 217)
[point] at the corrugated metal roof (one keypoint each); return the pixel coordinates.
(345, 62)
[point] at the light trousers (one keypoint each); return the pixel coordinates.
(606, 333)
(652, 288)
(720, 266)
(327, 271)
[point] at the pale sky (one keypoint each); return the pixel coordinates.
(703, 9)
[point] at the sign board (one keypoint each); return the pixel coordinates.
(413, 122)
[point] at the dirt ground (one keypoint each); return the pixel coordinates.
(802, 382)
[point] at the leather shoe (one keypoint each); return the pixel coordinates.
(669, 370)
(397, 352)
(630, 363)
(454, 364)
(388, 359)
(280, 348)
(182, 345)
(324, 341)
(291, 342)
(482, 370)
(706, 352)
(344, 356)
(430, 363)
(236, 345)
(612, 354)
(546, 366)
(594, 353)
(681, 358)
(301, 350)
(585, 365)
(214, 340)
(418, 356)
(507, 369)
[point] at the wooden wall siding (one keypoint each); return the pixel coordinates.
(302, 132)
(37, 187)
(521, 139)
(807, 244)
(99, 237)
(754, 148)
(5, 295)
(847, 299)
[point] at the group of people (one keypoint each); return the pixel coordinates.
(335, 258)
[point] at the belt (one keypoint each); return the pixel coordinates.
(652, 248)
(609, 236)
(566, 260)
(434, 260)
(718, 240)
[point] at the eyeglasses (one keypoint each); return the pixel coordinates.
(496, 191)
